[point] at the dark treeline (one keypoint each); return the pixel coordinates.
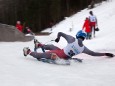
(39, 14)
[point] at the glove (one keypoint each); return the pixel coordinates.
(57, 40)
(109, 54)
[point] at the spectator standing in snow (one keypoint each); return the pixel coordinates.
(86, 27)
(74, 47)
(93, 23)
(51, 24)
(27, 30)
(19, 26)
(92, 3)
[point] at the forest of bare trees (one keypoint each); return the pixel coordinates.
(39, 14)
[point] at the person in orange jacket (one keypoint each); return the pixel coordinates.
(86, 27)
(19, 26)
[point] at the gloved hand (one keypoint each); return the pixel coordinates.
(57, 40)
(109, 54)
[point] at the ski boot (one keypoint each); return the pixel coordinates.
(37, 44)
(26, 51)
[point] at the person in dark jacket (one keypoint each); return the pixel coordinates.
(27, 30)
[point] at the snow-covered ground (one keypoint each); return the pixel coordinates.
(17, 70)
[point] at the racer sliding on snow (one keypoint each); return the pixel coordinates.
(74, 47)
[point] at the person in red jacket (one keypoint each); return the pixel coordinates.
(86, 27)
(19, 26)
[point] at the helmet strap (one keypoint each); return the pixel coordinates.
(81, 38)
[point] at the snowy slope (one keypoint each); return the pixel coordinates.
(17, 70)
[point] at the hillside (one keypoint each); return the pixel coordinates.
(17, 70)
